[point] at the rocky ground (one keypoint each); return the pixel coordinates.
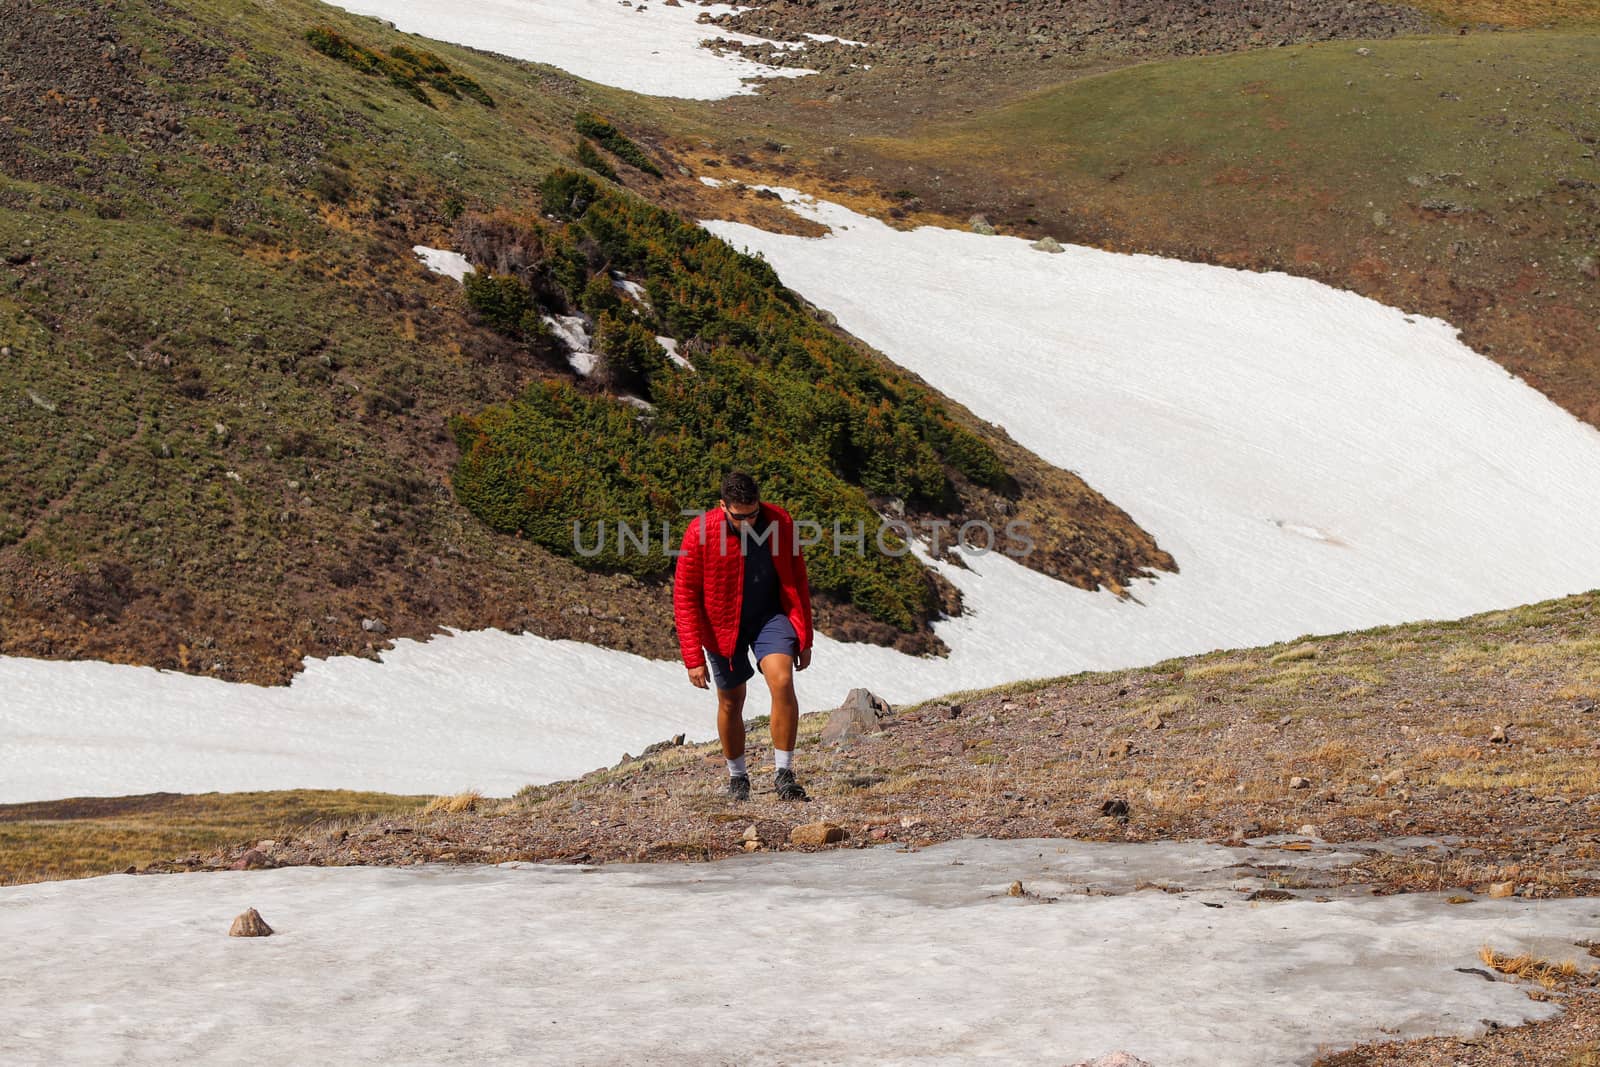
(1476, 740)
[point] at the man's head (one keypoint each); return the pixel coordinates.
(740, 498)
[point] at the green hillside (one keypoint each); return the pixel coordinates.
(234, 397)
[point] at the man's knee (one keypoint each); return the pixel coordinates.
(731, 699)
(778, 669)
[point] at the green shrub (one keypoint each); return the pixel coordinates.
(584, 152)
(406, 68)
(823, 425)
(614, 141)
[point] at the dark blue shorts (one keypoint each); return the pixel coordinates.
(776, 635)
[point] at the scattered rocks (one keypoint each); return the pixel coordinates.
(662, 746)
(816, 834)
(249, 923)
(253, 860)
(861, 713)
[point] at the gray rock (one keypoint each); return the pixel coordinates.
(980, 224)
(250, 924)
(1047, 244)
(374, 626)
(861, 713)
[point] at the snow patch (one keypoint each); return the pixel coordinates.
(573, 331)
(442, 261)
(671, 345)
(651, 48)
(589, 964)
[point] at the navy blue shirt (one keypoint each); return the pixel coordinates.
(760, 599)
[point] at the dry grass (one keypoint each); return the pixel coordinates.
(84, 837)
(1532, 968)
(454, 805)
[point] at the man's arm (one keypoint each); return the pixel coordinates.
(687, 592)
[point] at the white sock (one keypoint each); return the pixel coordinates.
(783, 759)
(736, 767)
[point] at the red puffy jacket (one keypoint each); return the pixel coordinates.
(708, 586)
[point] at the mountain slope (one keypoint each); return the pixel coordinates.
(229, 382)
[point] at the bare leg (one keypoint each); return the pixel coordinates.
(730, 720)
(778, 669)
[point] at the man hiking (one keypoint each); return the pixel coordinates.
(740, 587)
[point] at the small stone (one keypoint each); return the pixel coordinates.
(817, 834)
(1115, 808)
(1584, 704)
(1501, 890)
(1154, 721)
(1047, 244)
(1363, 51)
(1015, 890)
(751, 833)
(1499, 736)
(1120, 749)
(1307, 831)
(1298, 782)
(981, 225)
(250, 924)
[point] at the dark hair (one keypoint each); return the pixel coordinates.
(739, 488)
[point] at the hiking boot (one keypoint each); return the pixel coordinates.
(788, 788)
(739, 786)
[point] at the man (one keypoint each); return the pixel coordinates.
(740, 587)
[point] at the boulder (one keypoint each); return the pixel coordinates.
(861, 713)
(817, 834)
(250, 924)
(1047, 244)
(980, 224)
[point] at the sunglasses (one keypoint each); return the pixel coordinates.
(741, 516)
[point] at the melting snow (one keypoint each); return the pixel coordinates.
(451, 264)
(651, 48)
(671, 345)
(467, 964)
(573, 330)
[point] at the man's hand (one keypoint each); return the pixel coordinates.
(803, 660)
(699, 677)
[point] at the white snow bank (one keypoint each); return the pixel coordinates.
(898, 956)
(440, 261)
(648, 48)
(1315, 461)
(715, 183)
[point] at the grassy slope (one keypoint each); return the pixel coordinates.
(227, 379)
(85, 838)
(1454, 175)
